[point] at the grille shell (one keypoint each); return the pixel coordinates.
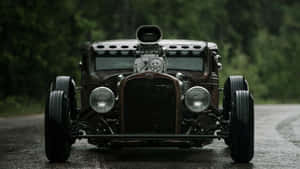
(150, 104)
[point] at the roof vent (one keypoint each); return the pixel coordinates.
(197, 46)
(112, 46)
(100, 46)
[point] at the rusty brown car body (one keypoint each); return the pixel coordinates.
(150, 103)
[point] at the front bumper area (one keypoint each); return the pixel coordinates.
(150, 137)
(146, 140)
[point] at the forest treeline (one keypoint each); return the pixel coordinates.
(259, 39)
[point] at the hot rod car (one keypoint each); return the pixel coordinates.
(149, 91)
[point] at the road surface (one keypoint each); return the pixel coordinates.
(277, 146)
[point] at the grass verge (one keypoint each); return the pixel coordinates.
(20, 106)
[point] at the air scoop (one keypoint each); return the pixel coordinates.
(148, 34)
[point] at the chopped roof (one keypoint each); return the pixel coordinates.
(169, 44)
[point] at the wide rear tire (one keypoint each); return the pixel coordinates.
(68, 85)
(57, 127)
(242, 128)
(232, 84)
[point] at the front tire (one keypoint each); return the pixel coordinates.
(242, 128)
(57, 127)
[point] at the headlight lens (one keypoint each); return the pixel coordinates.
(197, 99)
(102, 99)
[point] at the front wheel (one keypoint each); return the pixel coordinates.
(242, 127)
(57, 127)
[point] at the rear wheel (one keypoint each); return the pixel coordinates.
(242, 128)
(232, 84)
(57, 127)
(67, 84)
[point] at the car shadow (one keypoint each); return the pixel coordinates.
(212, 156)
(168, 157)
(157, 154)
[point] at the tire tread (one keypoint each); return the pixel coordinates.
(57, 140)
(242, 149)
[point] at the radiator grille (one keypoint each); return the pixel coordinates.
(149, 106)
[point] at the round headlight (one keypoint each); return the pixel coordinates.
(102, 99)
(197, 99)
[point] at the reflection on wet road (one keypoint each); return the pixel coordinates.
(277, 146)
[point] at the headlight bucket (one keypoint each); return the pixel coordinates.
(102, 99)
(197, 99)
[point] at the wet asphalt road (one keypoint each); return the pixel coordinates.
(277, 147)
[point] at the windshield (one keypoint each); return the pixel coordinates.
(127, 62)
(114, 62)
(186, 63)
